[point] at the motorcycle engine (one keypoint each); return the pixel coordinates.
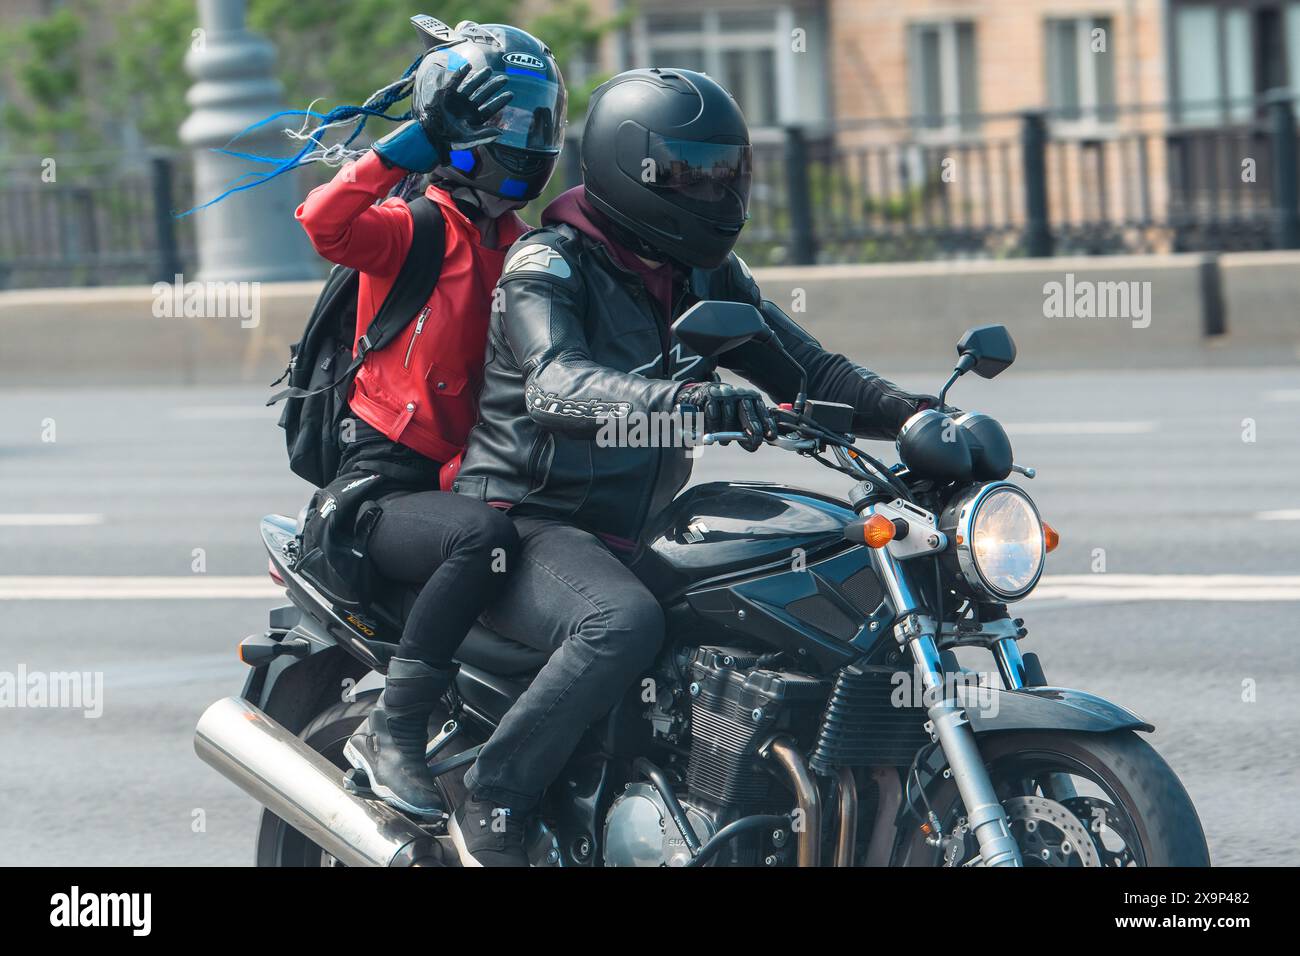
(737, 702)
(639, 831)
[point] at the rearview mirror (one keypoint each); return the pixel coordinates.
(712, 327)
(986, 350)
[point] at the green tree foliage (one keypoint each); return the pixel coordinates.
(343, 50)
(45, 63)
(76, 77)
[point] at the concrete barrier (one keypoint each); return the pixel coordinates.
(115, 336)
(894, 317)
(911, 315)
(1261, 292)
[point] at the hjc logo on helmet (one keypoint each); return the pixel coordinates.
(526, 60)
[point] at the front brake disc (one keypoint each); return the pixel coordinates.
(1100, 816)
(1049, 834)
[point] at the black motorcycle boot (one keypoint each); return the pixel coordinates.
(486, 834)
(390, 746)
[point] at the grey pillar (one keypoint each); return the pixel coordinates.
(251, 235)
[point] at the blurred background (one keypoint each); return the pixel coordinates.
(920, 167)
(884, 131)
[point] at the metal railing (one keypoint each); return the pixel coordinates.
(866, 192)
(93, 219)
(1029, 192)
(897, 190)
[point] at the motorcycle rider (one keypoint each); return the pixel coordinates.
(584, 333)
(489, 122)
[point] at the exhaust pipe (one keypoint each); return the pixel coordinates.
(305, 790)
(807, 796)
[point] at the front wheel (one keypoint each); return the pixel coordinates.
(1073, 799)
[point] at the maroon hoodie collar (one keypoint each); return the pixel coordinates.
(572, 208)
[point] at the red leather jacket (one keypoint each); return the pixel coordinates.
(421, 390)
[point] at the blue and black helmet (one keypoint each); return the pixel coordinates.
(518, 164)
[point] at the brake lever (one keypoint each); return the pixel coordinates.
(793, 444)
(716, 438)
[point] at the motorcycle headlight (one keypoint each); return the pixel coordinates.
(998, 539)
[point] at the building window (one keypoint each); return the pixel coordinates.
(1226, 56)
(765, 57)
(944, 87)
(1080, 59)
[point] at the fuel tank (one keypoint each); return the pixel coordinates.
(722, 528)
(766, 565)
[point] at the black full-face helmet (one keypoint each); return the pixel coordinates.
(518, 164)
(666, 156)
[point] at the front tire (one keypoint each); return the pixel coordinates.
(1154, 809)
(279, 844)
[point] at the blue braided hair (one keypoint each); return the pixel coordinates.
(314, 149)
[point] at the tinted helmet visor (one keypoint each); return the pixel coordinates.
(713, 177)
(534, 118)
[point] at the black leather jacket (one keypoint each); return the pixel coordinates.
(580, 339)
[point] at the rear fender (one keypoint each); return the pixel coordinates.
(992, 709)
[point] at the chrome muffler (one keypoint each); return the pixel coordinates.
(305, 790)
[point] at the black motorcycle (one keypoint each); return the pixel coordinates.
(809, 708)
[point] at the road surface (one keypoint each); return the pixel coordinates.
(129, 550)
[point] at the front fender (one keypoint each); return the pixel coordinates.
(992, 709)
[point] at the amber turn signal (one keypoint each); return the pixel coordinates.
(1050, 538)
(878, 531)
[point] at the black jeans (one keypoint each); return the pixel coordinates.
(459, 549)
(568, 594)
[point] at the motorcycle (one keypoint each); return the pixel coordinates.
(809, 707)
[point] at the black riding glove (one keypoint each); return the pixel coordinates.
(729, 409)
(455, 113)
(903, 405)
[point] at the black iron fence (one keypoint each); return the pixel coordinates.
(93, 219)
(1035, 190)
(867, 193)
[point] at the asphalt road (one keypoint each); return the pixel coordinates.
(1150, 476)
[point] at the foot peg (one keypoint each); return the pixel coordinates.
(357, 781)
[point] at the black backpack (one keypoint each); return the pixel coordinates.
(319, 373)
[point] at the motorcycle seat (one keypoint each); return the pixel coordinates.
(489, 651)
(482, 648)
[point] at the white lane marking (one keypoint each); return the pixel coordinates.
(1283, 395)
(1079, 428)
(218, 413)
(200, 586)
(49, 520)
(1286, 514)
(1168, 587)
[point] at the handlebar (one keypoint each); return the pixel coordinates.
(808, 438)
(812, 437)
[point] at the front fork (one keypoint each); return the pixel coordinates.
(948, 723)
